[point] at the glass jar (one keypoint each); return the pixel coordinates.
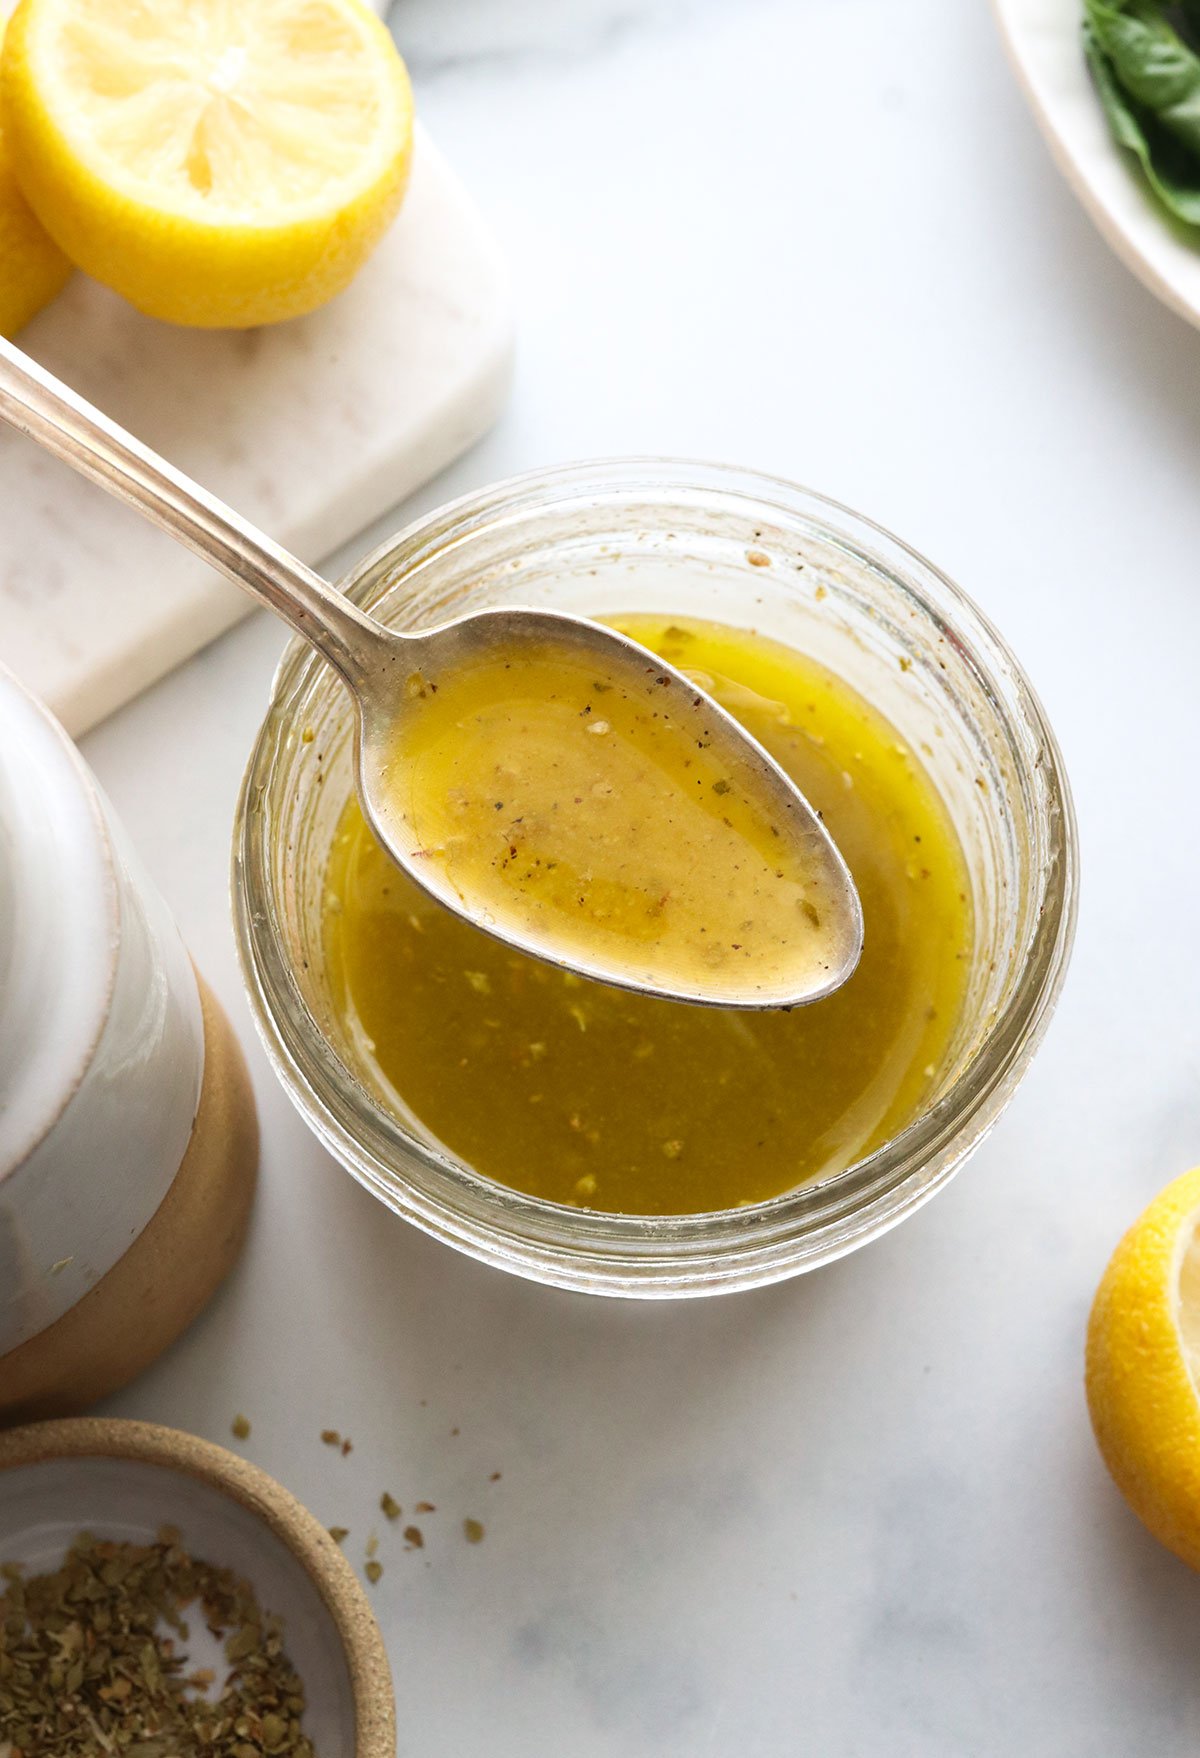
(663, 536)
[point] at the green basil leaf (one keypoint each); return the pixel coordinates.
(1151, 63)
(1171, 170)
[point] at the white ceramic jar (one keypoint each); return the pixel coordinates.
(125, 1180)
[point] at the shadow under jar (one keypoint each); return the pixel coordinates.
(660, 536)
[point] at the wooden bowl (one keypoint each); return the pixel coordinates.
(124, 1480)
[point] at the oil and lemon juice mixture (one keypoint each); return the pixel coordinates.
(588, 1095)
(581, 801)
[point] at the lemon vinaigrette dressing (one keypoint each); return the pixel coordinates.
(572, 803)
(585, 1094)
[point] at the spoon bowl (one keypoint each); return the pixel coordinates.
(403, 666)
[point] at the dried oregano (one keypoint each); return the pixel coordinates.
(93, 1660)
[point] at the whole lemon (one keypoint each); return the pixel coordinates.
(33, 270)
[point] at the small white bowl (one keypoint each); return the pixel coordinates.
(125, 1480)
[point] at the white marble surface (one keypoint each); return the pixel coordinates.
(859, 1515)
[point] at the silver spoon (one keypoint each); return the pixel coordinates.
(374, 662)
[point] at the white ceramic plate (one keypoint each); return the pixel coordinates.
(1043, 41)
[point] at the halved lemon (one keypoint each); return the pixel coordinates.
(33, 270)
(219, 162)
(1143, 1367)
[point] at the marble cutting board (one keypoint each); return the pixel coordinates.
(313, 429)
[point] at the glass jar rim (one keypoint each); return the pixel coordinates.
(714, 1250)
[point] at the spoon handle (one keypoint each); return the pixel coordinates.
(36, 403)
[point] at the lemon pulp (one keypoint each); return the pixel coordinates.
(588, 1095)
(1187, 1310)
